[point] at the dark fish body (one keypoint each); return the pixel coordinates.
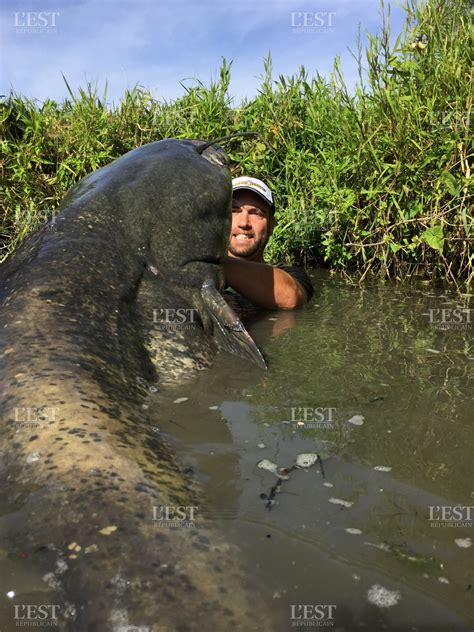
(80, 342)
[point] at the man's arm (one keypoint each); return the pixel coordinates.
(264, 284)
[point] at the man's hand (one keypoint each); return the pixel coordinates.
(263, 284)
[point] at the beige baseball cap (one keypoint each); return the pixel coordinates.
(256, 185)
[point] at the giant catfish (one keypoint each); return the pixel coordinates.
(84, 476)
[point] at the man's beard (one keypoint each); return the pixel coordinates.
(250, 249)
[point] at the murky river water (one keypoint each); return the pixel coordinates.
(377, 534)
(377, 382)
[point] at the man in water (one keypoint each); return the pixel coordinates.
(253, 221)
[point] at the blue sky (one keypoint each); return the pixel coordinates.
(158, 43)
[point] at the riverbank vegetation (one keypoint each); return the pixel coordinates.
(373, 179)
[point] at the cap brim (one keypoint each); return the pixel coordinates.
(246, 188)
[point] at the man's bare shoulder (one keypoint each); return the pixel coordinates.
(300, 275)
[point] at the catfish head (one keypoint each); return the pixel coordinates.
(189, 243)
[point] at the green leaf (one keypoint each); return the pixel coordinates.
(451, 184)
(434, 237)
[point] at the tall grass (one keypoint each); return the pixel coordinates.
(377, 180)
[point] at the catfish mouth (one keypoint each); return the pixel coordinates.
(199, 281)
(228, 331)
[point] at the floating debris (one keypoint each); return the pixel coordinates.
(269, 500)
(339, 501)
(356, 577)
(464, 543)
(353, 531)
(268, 465)
(108, 530)
(72, 557)
(326, 484)
(213, 407)
(34, 456)
(382, 546)
(74, 547)
(443, 580)
(180, 400)
(382, 468)
(382, 597)
(91, 549)
(356, 420)
(432, 350)
(260, 445)
(281, 472)
(10, 594)
(306, 459)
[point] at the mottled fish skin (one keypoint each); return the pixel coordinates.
(78, 348)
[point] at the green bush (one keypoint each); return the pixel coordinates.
(377, 180)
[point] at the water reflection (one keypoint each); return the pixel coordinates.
(369, 379)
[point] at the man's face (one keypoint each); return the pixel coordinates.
(252, 225)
